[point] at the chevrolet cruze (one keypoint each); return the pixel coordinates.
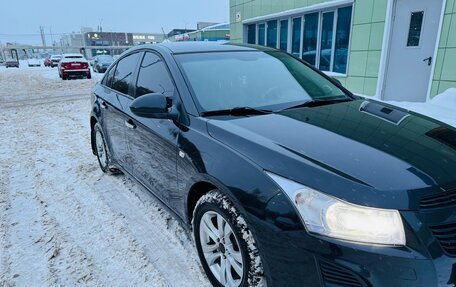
(283, 177)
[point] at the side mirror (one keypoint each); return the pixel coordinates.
(154, 106)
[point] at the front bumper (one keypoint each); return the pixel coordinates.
(292, 257)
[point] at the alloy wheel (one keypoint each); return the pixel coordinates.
(221, 249)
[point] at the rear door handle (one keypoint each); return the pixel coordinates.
(104, 105)
(130, 124)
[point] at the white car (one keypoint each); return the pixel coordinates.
(32, 62)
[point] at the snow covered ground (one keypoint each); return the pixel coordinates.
(64, 222)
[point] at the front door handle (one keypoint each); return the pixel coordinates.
(429, 60)
(104, 105)
(130, 124)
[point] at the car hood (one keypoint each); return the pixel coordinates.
(357, 145)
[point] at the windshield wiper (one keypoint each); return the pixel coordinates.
(319, 102)
(238, 111)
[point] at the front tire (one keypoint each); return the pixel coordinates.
(225, 245)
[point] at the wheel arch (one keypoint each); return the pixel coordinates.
(196, 191)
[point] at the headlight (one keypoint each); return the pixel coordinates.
(332, 217)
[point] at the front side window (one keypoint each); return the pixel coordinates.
(257, 79)
(153, 76)
(124, 73)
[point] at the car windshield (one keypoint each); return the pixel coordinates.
(273, 80)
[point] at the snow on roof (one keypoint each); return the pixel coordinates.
(221, 26)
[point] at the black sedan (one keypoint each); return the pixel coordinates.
(12, 63)
(282, 175)
(101, 63)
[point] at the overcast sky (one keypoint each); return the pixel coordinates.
(23, 18)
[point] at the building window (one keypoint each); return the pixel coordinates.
(342, 39)
(261, 34)
(283, 35)
(296, 37)
(310, 38)
(251, 34)
(327, 27)
(416, 24)
(272, 34)
(320, 38)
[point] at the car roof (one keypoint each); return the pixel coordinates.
(200, 47)
(72, 55)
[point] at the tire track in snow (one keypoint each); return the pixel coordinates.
(83, 227)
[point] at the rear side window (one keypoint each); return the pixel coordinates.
(153, 76)
(107, 81)
(124, 73)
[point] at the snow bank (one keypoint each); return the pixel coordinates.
(442, 107)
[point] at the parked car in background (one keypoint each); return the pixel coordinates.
(11, 63)
(73, 65)
(32, 62)
(47, 61)
(55, 59)
(102, 62)
(282, 175)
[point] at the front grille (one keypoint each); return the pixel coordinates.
(446, 235)
(334, 275)
(442, 199)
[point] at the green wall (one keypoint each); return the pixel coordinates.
(366, 43)
(445, 66)
(367, 39)
(366, 46)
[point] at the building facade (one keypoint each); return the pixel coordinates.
(216, 32)
(117, 39)
(392, 49)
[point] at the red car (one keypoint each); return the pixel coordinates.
(47, 62)
(74, 65)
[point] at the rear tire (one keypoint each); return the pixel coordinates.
(102, 152)
(89, 76)
(230, 256)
